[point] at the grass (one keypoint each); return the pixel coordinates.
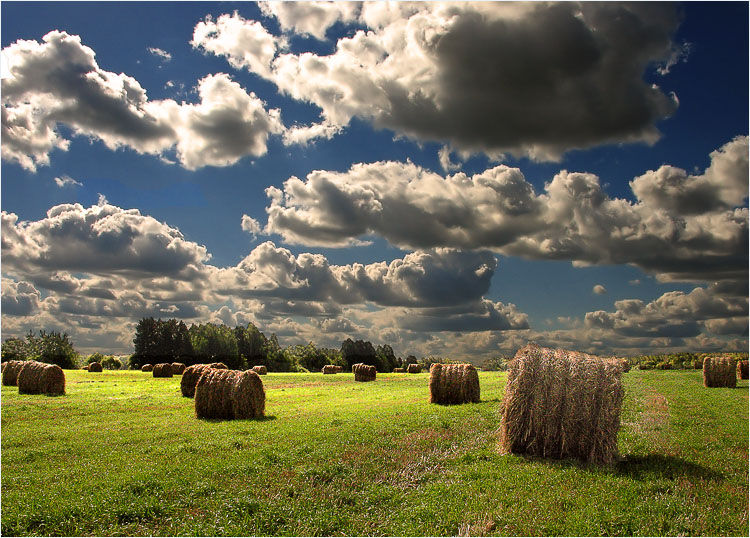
(122, 454)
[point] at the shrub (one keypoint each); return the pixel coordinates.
(112, 363)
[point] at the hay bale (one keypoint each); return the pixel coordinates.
(742, 369)
(190, 378)
(163, 369)
(40, 378)
(413, 369)
(95, 367)
(10, 373)
(562, 404)
(339, 369)
(85, 367)
(719, 372)
(147, 367)
(331, 369)
(453, 384)
(177, 368)
(229, 394)
(219, 365)
(399, 371)
(260, 370)
(364, 372)
(2, 366)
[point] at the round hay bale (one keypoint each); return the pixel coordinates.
(162, 370)
(85, 367)
(339, 369)
(331, 369)
(95, 367)
(260, 370)
(413, 369)
(229, 394)
(40, 378)
(742, 369)
(190, 378)
(719, 372)
(219, 365)
(562, 404)
(10, 373)
(399, 370)
(453, 384)
(2, 366)
(364, 372)
(177, 368)
(147, 368)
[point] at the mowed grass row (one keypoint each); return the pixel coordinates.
(123, 454)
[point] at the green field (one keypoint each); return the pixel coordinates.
(122, 454)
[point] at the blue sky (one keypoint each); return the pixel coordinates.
(594, 194)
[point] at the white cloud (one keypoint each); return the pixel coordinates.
(67, 181)
(310, 18)
(160, 53)
(251, 226)
(599, 289)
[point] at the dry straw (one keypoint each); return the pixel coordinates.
(40, 378)
(399, 371)
(413, 369)
(454, 384)
(260, 370)
(162, 370)
(95, 367)
(364, 372)
(10, 373)
(147, 367)
(219, 365)
(742, 369)
(229, 394)
(190, 378)
(719, 372)
(177, 368)
(562, 404)
(330, 369)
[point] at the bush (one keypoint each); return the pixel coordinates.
(14, 349)
(112, 363)
(52, 348)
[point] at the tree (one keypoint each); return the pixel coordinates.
(251, 345)
(358, 352)
(386, 358)
(52, 348)
(215, 343)
(161, 341)
(14, 349)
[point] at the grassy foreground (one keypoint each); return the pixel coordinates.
(122, 454)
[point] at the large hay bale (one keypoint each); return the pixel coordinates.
(10, 373)
(229, 394)
(260, 370)
(219, 366)
(177, 368)
(364, 372)
(562, 404)
(399, 371)
(742, 369)
(147, 368)
(190, 378)
(95, 367)
(454, 384)
(719, 372)
(413, 369)
(330, 369)
(40, 378)
(163, 369)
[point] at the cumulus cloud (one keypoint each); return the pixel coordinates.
(67, 181)
(599, 289)
(59, 81)
(498, 209)
(160, 53)
(534, 79)
(251, 226)
(19, 298)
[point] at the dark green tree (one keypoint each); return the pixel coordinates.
(14, 349)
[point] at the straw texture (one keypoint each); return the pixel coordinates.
(177, 368)
(742, 369)
(95, 367)
(453, 384)
(364, 372)
(40, 378)
(719, 372)
(260, 370)
(147, 367)
(10, 373)
(162, 370)
(229, 394)
(413, 369)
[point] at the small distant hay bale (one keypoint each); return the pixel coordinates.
(40, 378)
(562, 404)
(190, 378)
(399, 371)
(719, 372)
(339, 369)
(229, 394)
(95, 367)
(364, 372)
(147, 368)
(85, 367)
(331, 369)
(163, 369)
(413, 369)
(10, 373)
(177, 368)
(742, 369)
(219, 366)
(260, 370)
(454, 384)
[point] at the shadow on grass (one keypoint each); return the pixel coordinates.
(267, 418)
(662, 466)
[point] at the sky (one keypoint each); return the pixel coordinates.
(451, 179)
